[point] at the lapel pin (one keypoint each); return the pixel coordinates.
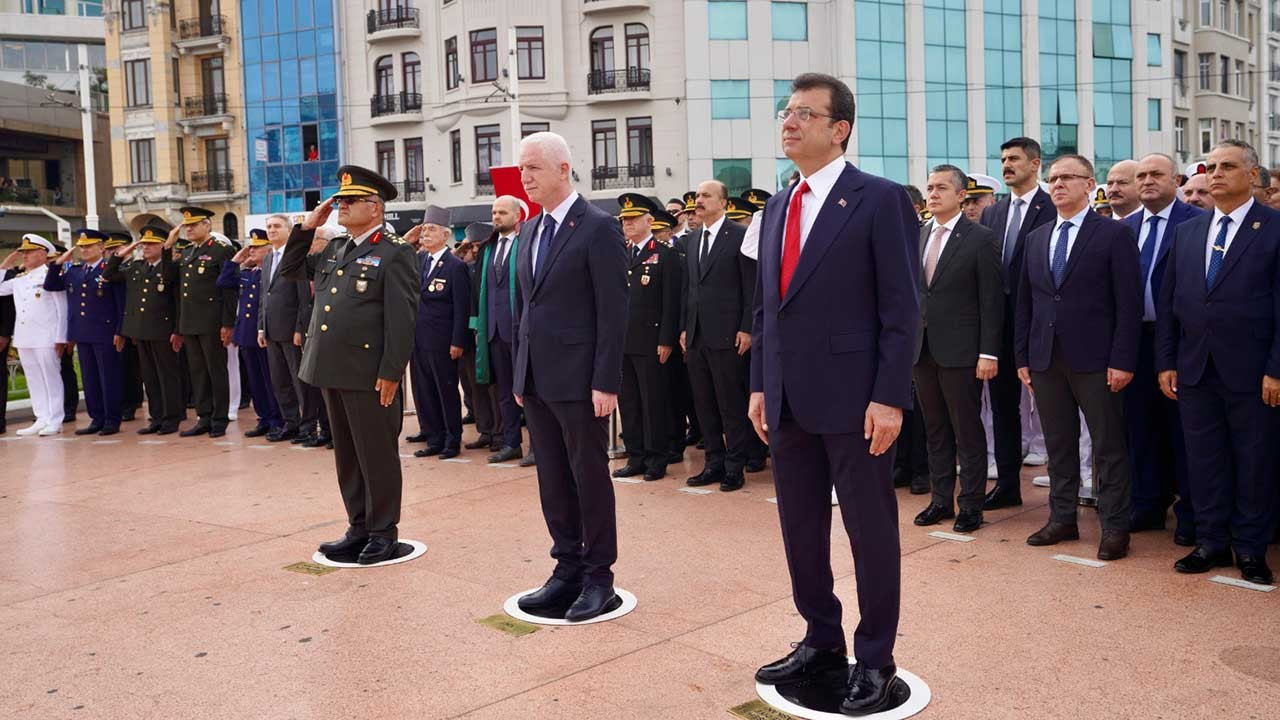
(572, 224)
(842, 202)
(1257, 225)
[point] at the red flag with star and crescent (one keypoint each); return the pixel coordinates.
(506, 181)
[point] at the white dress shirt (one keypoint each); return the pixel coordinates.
(277, 254)
(41, 315)
(435, 260)
(1144, 237)
(1237, 219)
(751, 240)
(714, 229)
(1026, 205)
(557, 214)
(1072, 234)
(820, 184)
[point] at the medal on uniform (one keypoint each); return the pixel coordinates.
(160, 287)
(362, 285)
(644, 279)
(200, 269)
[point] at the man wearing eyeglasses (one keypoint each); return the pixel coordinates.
(1076, 338)
(358, 343)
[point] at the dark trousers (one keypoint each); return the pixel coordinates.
(1231, 452)
(683, 417)
(645, 413)
(502, 370)
(258, 373)
(283, 359)
(70, 387)
(911, 456)
(574, 487)
(366, 451)
(1157, 450)
(1061, 395)
(130, 378)
(1005, 390)
(435, 396)
(484, 398)
(210, 386)
(719, 382)
(184, 380)
(161, 380)
(100, 369)
(805, 468)
(951, 399)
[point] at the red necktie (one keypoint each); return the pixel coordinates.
(791, 239)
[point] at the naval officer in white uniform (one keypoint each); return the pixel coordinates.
(40, 331)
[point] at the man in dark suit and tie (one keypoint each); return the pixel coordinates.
(1012, 218)
(1218, 354)
(571, 323)
(281, 325)
(440, 337)
(495, 323)
(1156, 446)
(716, 333)
(1076, 345)
(835, 319)
(961, 316)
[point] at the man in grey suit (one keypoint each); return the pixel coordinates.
(280, 327)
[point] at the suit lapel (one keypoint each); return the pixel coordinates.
(843, 199)
(717, 248)
(950, 249)
(1083, 238)
(561, 238)
(1248, 232)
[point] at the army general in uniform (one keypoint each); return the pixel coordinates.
(358, 343)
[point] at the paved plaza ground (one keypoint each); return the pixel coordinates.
(147, 579)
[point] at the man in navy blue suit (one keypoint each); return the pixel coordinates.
(1156, 449)
(1076, 344)
(1217, 352)
(836, 312)
(441, 336)
(571, 324)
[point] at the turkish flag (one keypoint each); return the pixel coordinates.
(506, 181)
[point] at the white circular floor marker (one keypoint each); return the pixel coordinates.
(419, 549)
(512, 608)
(920, 696)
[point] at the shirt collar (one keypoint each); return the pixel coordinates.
(714, 227)
(1163, 214)
(1237, 215)
(435, 256)
(821, 181)
(563, 208)
(365, 235)
(950, 225)
(1076, 220)
(1026, 199)
(642, 243)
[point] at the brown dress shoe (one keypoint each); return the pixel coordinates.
(1114, 545)
(1054, 533)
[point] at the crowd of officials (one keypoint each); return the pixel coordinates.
(1129, 328)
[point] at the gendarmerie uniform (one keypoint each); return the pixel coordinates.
(361, 330)
(150, 318)
(41, 326)
(130, 366)
(248, 284)
(95, 310)
(204, 309)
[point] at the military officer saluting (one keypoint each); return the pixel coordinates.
(653, 328)
(358, 344)
(206, 314)
(243, 273)
(130, 369)
(95, 310)
(151, 321)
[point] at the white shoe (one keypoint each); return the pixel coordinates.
(31, 429)
(51, 430)
(1034, 459)
(231, 417)
(834, 500)
(993, 473)
(1040, 481)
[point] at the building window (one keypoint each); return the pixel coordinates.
(217, 165)
(455, 156)
(384, 80)
(133, 15)
(1180, 72)
(182, 158)
(790, 21)
(1180, 134)
(488, 147)
(1224, 65)
(414, 172)
(484, 55)
(1002, 68)
(601, 51)
(1273, 116)
(529, 53)
(783, 169)
(177, 86)
(604, 145)
(1153, 114)
(730, 99)
(137, 78)
(727, 20)
(451, 75)
(735, 173)
(637, 38)
(781, 94)
(1206, 13)
(527, 129)
(1224, 14)
(385, 151)
(1206, 136)
(946, 96)
(411, 73)
(1113, 92)
(142, 166)
(1206, 70)
(640, 145)
(880, 42)
(1153, 50)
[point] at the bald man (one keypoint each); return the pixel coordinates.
(1122, 189)
(1195, 192)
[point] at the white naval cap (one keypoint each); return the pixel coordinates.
(32, 241)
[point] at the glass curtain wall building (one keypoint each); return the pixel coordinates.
(1112, 85)
(945, 93)
(292, 115)
(1059, 100)
(1002, 65)
(881, 88)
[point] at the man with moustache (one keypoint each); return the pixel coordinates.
(1195, 191)
(495, 327)
(1122, 189)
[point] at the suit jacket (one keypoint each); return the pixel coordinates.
(1040, 210)
(962, 311)
(284, 305)
(247, 283)
(1233, 323)
(571, 321)
(498, 316)
(717, 300)
(654, 300)
(95, 303)
(150, 304)
(1180, 213)
(1095, 318)
(444, 304)
(845, 333)
(204, 307)
(365, 307)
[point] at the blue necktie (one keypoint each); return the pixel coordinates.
(544, 244)
(1058, 266)
(1148, 251)
(1219, 250)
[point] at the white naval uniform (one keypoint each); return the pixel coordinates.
(41, 324)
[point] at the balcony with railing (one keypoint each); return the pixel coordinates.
(621, 178)
(393, 22)
(630, 80)
(205, 109)
(212, 183)
(203, 35)
(484, 183)
(411, 191)
(396, 107)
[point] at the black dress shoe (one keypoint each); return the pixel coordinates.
(93, 429)
(217, 431)
(429, 451)
(328, 445)
(495, 446)
(1002, 498)
(420, 437)
(197, 429)
(468, 419)
(590, 603)
(869, 690)
(707, 477)
(506, 454)
(258, 431)
(1253, 568)
(1114, 545)
(109, 430)
(479, 443)
(553, 593)
(528, 460)
(1202, 560)
(1142, 521)
(1053, 533)
(448, 453)
(351, 541)
(378, 549)
(167, 430)
(968, 521)
(801, 663)
(148, 430)
(732, 482)
(655, 474)
(315, 441)
(628, 470)
(755, 466)
(933, 514)
(282, 435)
(301, 437)
(129, 415)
